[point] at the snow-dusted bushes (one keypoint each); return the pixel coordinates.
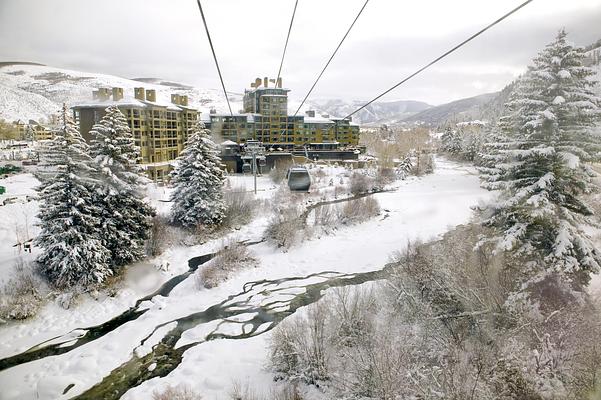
(358, 210)
(239, 207)
(340, 347)
(22, 294)
(158, 236)
(361, 183)
(233, 257)
(352, 211)
(300, 348)
(287, 391)
(424, 164)
(285, 228)
(180, 392)
(439, 327)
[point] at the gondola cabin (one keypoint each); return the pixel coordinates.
(299, 179)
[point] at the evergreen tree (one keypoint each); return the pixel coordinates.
(198, 181)
(125, 218)
(72, 252)
(537, 157)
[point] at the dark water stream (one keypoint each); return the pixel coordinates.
(74, 339)
(268, 302)
(288, 295)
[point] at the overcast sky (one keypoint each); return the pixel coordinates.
(165, 38)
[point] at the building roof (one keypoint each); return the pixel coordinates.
(250, 117)
(130, 102)
(318, 120)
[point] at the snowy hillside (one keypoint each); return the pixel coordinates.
(377, 113)
(36, 91)
(457, 111)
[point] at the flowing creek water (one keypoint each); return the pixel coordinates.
(260, 307)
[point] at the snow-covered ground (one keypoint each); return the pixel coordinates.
(420, 208)
(17, 221)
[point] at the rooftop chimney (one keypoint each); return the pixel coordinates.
(176, 99)
(139, 93)
(117, 93)
(151, 95)
(279, 82)
(266, 81)
(257, 82)
(184, 100)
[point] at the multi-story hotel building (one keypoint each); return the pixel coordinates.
(265, 118)
(160, 129)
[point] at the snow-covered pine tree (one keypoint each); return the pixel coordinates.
(537, 160)
(72, 251)
(198, 179)
(125, 218)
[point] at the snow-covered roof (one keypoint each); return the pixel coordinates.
(318, 120)
(126, 101)
(130, 102)
(229, 143)
(249, 116)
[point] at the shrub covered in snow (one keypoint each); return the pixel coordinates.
(439, 327)
(158, 236)
(285, 227)
(22, 295)
(233, 257)
(180, 392)
(359, 210)
(286, 391)
(361, 183)
(239, 207)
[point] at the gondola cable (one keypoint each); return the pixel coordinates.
(204, 21)
(475, 35)
(331, 57)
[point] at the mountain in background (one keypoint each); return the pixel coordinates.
(377, 113)
(455, 111)
(489, 106)
(34, 91)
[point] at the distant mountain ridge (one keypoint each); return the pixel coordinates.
(34, 91)
(458, 110)
(376, 113)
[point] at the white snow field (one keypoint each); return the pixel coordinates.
(16, 220)
(420, 208)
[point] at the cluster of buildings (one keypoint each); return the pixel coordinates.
(265, 118)
(30, 130)
(160, 128)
